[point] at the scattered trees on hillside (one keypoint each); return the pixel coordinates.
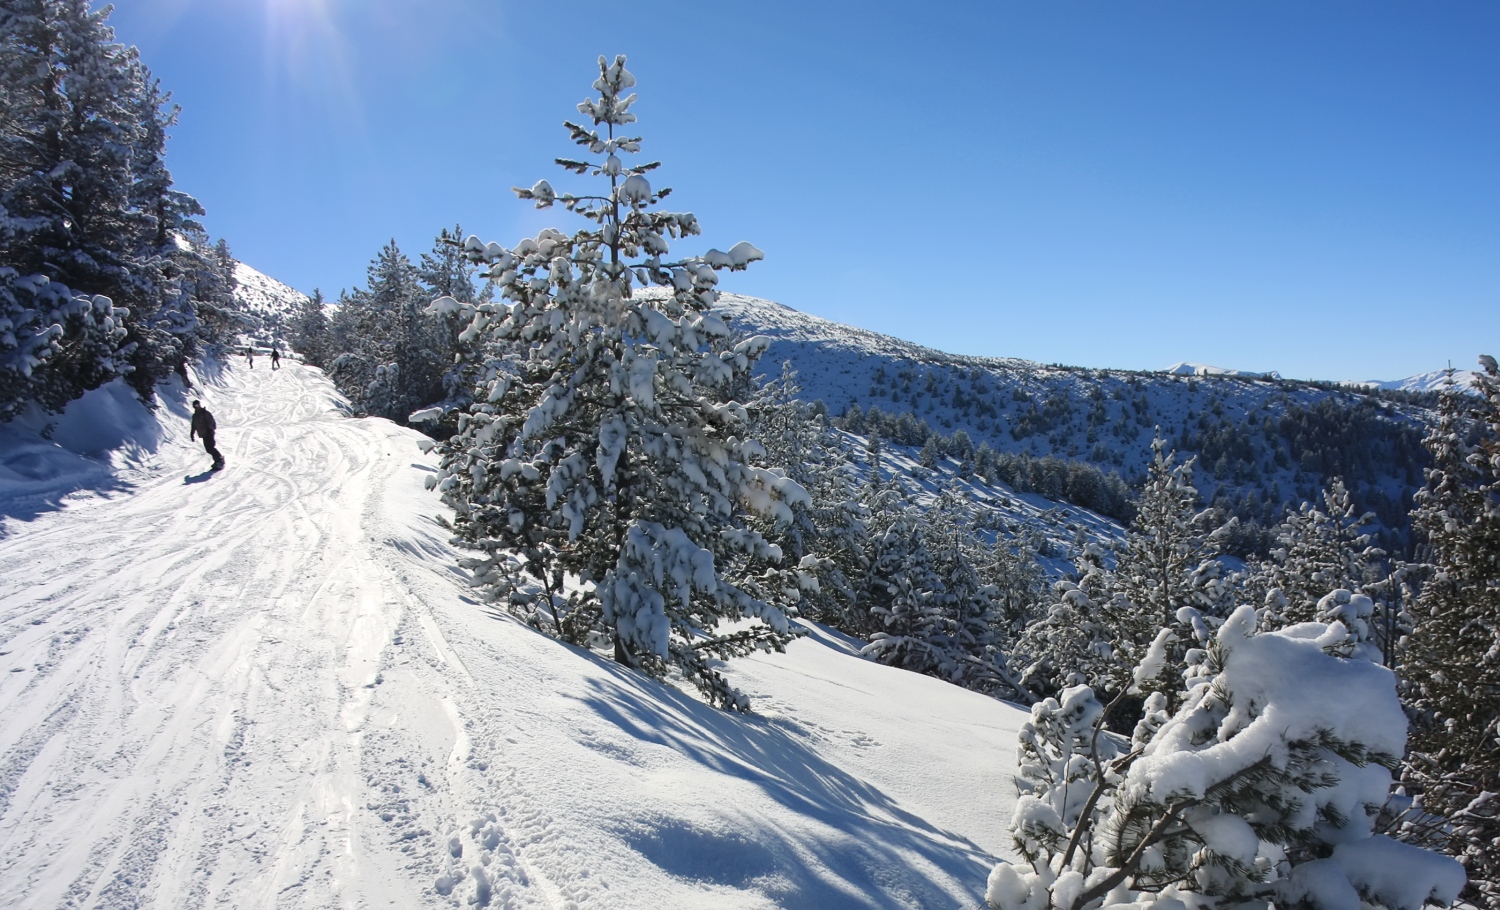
(1261, 447)
(1062, 479)
(103, 271)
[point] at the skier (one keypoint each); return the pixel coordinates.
(276, 358)
(250, 356)
(203, 425)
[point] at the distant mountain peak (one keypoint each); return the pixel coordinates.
(1431, 381)
(1202, 369)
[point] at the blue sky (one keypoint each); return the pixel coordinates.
(1312, 188)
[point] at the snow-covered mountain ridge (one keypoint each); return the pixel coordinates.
(264, 296)
(1431, 381)
(1264, 444)
(1203, 369)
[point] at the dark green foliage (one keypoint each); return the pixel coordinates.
(386, 353)
(1077, 482)
(1451, 662)
(106, 272)
(384, 348)
(310, 331)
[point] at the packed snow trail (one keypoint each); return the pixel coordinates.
(269, 687)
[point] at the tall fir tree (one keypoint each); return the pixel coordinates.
(603, 450)
(393, 352)
(309, 330)
(64, 196)
(446, 272)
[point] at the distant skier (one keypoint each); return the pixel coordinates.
(276, 358)
(250, 355)
(203, 425)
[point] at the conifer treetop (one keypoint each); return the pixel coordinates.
(631, 242)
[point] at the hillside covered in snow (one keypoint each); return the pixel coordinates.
(271, 684)
(264, 297)
(1264, 444)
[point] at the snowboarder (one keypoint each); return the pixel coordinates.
(276, 358)
(250, 356)
(203, 425)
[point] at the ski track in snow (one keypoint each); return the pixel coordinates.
(268, 687)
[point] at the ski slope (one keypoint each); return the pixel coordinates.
(270, 687)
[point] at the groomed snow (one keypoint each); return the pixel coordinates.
(270, 687)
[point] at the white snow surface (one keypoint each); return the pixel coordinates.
(45, 457)
(270, 686)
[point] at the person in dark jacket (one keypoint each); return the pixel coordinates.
(276, 358)
(203, 425)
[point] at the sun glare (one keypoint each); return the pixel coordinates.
(307, 56)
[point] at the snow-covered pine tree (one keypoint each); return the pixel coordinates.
(204, 279)
(1166, 575)
(393, 354)
(1019, 580)
(1316, 550)
(1451, 663)
(827, 536)
(446, 272)
(64, 191)
(310, 332)
(1261, 790)
(171, 263)
(974, 628)
(1066, 643)
(603, 450)
(90, 227)
(929, 608)
(905, 596)
(67, 146)
(54, 344)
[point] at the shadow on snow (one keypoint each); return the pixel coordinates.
(862, 841)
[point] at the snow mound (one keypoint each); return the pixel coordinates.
(44, 458)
